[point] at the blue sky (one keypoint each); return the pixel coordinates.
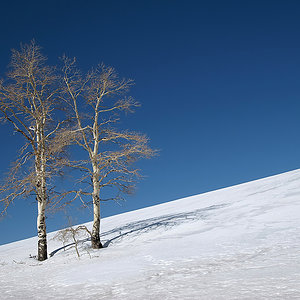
(218, 82)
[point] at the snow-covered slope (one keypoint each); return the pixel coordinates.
(241, 242)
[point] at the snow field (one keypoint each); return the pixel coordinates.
(242, 242)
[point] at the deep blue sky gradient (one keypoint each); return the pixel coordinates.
(218, 82)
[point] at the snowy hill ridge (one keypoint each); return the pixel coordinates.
(241, 242)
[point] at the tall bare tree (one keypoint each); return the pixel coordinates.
(95, 100)
(28, 101)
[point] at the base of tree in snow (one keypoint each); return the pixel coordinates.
(96, 244)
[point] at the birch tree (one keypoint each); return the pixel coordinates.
(96, 99)
(28, 101)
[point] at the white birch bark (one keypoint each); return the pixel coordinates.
(96, 243)
(41, 192)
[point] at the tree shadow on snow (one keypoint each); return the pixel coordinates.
(165, 221)
(64, 247)
(136, 228)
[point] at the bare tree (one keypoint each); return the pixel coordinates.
(28, 101)
(95, 100)
(72, 237)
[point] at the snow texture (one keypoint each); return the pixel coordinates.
(241, 242)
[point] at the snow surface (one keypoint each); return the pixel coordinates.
(242, 242)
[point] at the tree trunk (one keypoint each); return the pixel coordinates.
(95, 239)
(40, 169)
(42, 235)
(41, 222)
(96, 243)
